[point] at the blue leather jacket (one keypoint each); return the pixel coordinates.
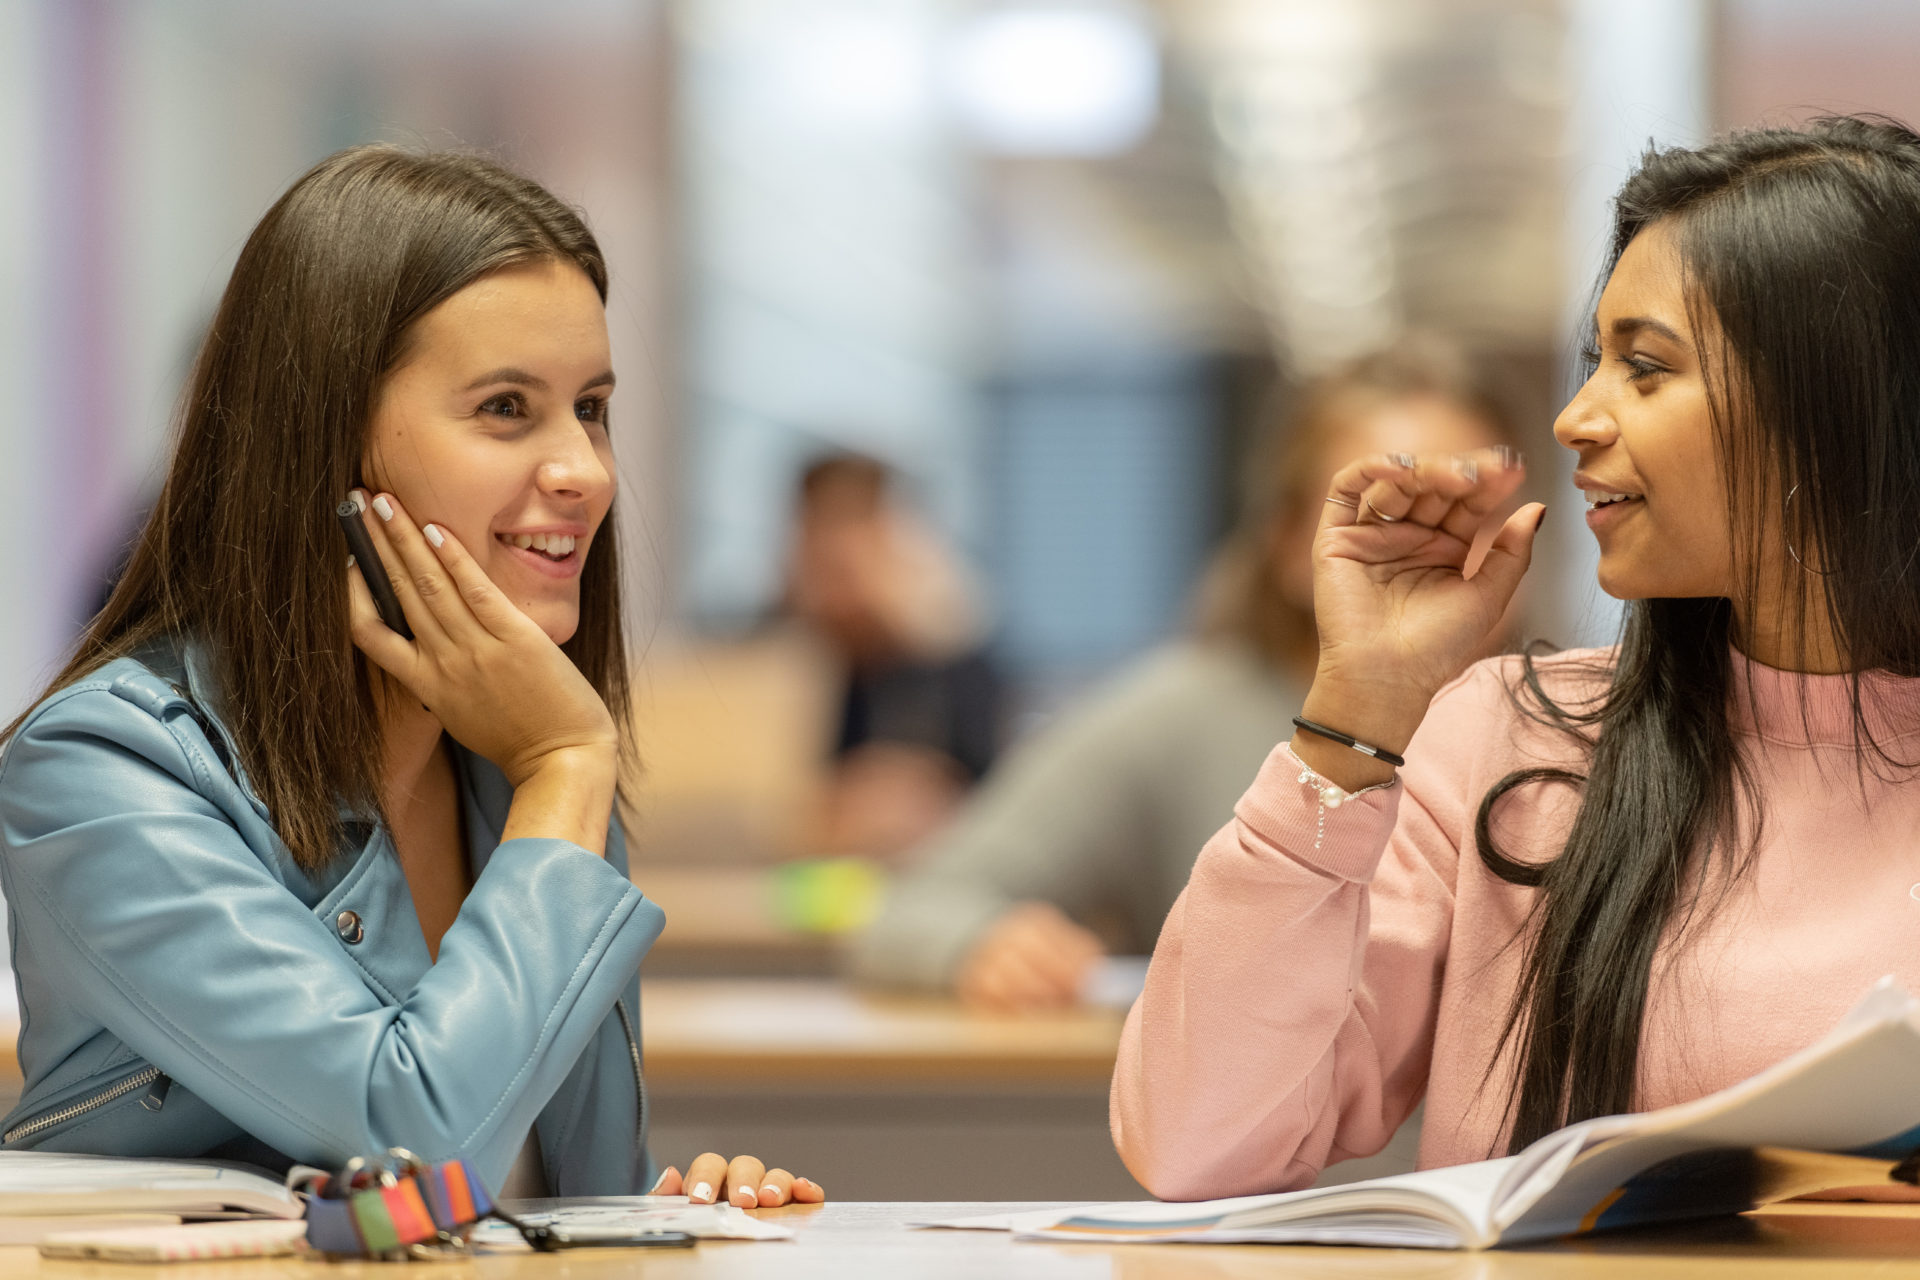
(187, 990)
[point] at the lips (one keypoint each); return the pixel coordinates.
(545, 562)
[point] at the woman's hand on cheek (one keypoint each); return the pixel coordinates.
(743, 1182)
(501, 687)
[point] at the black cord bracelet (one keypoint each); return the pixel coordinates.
(1378, 753)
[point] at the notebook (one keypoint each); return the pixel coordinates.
(44, 1184)
(1839, 1114)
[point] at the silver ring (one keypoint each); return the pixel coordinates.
(1380, 515)
(1345, 502)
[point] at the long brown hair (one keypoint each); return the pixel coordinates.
(242, 552)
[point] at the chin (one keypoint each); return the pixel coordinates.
(560, 624)
(1621, 586)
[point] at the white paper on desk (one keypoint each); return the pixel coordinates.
(613, 1217)
(1029, 1220)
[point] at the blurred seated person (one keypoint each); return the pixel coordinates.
(900, 616)
(1095, 821)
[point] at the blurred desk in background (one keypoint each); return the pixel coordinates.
(722, 923)
(882, 1097)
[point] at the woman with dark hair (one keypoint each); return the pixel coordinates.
(1607, 880)
(284, 883)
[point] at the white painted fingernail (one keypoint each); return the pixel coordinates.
(703, 1191)
(433, 535)
(747, 1199)
(772, 1188)
(349, 562)
(383, 508)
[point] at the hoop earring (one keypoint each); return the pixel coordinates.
(1786, 508)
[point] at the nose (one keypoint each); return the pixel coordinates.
(573, 468)
(1585, 423)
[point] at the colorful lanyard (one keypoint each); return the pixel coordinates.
(397, 1207)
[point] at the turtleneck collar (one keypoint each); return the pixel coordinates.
(1798, 709)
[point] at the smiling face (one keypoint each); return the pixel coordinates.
(1642, 427)
(494, 425)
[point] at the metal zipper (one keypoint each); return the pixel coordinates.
(138, 1080)
(639, 1076)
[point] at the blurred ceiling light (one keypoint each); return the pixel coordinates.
(1060, 79)
(858, 68)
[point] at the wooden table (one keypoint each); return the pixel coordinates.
(851, 1241)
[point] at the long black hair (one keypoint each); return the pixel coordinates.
(1800, 251)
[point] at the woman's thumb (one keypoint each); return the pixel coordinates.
(1512, 551)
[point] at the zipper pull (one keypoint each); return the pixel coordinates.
(156, 1094)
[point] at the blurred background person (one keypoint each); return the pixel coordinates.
(902, 625)
(1079, 842)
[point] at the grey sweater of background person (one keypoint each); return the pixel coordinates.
(1101, 813)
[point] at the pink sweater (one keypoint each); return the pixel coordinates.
(1309, 989)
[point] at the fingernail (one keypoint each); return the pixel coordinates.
(703, 1191)
(383, 508)
(770, 1188)
(1467, 467)
(433, 535)
(356, 500)
(748, 1200)
(1402, 459)
(350, 562)
(1509, 457)
(1540, 519)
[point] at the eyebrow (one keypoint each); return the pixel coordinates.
(521, 378)
(1627, 326)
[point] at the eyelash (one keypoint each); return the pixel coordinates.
(595, 407)
(1638, 370)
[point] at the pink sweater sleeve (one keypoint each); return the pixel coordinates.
(1288, 1015)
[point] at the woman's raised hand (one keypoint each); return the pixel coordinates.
(1396, 613)
(743, 1181)
(492, 677)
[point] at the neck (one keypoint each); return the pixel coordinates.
(1768, 634)
(409, 738)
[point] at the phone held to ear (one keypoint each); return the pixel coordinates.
(360, 542)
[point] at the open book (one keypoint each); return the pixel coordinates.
(1839, 1114)
(44, 1192)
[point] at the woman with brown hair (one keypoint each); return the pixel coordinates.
(286, 884)
(1097, 818)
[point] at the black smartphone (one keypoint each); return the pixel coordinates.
(549, 1240)
(360, 542)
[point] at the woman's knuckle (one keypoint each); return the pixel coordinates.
(426, 584)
